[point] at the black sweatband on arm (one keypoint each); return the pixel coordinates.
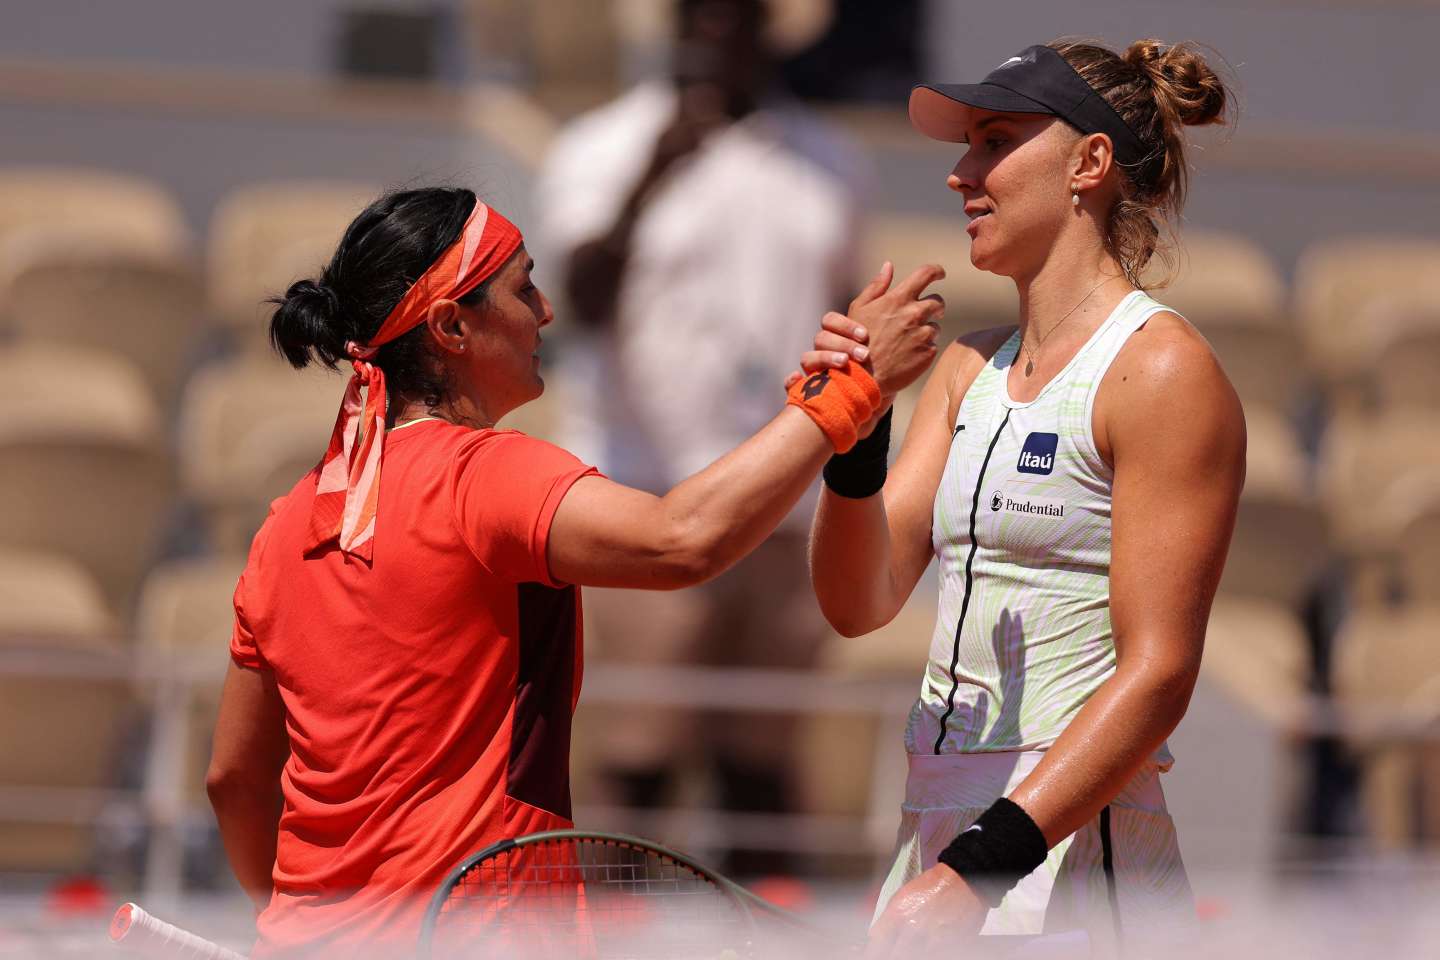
(997, 851)
(861, 472)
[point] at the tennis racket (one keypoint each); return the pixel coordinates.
(569, 894)
(578, 894)
(144, 934)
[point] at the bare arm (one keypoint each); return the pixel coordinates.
(1175, 430)
(866, 555)
(604, 534)
(250, 749)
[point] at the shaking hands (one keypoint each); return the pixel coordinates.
(890, 331)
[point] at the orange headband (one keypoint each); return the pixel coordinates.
(348, 489)
(486, 243)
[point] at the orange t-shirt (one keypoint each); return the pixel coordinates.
(428, 696)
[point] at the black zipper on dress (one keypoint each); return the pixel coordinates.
(969, 581)
(1107, 863)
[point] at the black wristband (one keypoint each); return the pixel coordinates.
(997, 851)
(861, 472)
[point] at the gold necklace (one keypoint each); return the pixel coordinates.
(1030, 354)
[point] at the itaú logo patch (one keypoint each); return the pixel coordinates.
(1038, 454)
(1028, 506)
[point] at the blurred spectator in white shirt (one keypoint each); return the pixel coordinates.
(704, 223)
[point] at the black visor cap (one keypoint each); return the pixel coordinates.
(1036, 80)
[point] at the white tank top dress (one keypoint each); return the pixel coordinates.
(1021, 531)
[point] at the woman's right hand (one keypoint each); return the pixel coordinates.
(891, 332)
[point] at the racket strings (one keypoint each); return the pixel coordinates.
(577, 898)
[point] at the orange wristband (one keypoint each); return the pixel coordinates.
(839, 401)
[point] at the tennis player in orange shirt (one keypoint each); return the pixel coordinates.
(407, 642)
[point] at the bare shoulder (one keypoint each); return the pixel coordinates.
(1166, 378)
(1166, 353)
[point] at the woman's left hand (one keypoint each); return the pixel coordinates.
(937, 912)
(839, 341)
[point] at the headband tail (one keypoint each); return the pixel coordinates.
(347, 491)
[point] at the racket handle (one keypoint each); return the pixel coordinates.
(135, 928)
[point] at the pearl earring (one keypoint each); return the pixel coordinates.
(1074, 195)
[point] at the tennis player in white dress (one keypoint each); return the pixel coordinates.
(1076, 477)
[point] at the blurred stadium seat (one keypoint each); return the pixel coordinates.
(1281, 541)
(64, 701)
(86, 473)
(142, 305)
(248, 431)
(265, 236)
(45, 594)
(1389, 660)
(185, 606)
(872, 780)
(100, 203)
(1417, 543)
(185, 613)
(1372, 470)
(1335, 280)
(974, 299)
(574, 52)
(1274, 459)
(1406, 358)
(1257, 650)
(1226, 280)
(1232, 292)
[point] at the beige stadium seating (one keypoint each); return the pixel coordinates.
(1407, 358)
(96, 202)
(248, 431)
(1256, 649)
(1406, 373)
(1232, 292)
(265, 236)
(1280, 548)
(1378, 477)
(186, 607)
(1337, 279)
(1281, 541)
(142, 305)
(874, 770)
(1223, 280)
(569, 47)
(86, 472)
(64, 711)
(1371, 469)
(1388, 672)
(1416, 551)
(44, 595)
(974, 299)
(184, 617)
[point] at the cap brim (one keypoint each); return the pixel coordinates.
(941, 111)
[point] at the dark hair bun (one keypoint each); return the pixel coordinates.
(307, 324)
(388, 244)
(1185, 86)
